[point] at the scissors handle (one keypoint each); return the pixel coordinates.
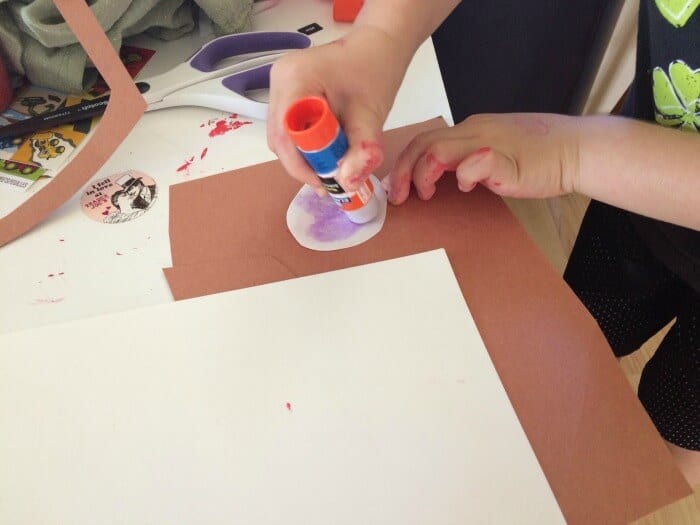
(214, 51)
(227, 94)
(249, 49)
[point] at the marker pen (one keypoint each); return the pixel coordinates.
(318, 137)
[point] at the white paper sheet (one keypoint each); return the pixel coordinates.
(358, 396)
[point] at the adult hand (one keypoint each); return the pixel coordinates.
(358, 75)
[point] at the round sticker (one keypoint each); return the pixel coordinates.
(119, 198)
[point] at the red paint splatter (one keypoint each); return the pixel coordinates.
(223, 126)
(289, 406)
(204, 153)
(185, 166)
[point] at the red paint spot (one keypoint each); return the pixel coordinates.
(204, 153)
(374, 157)
(233, 115)
(437, 167)
(185, 166)
(289, 406)
(220, 128)
(224, 126)
(240, 123)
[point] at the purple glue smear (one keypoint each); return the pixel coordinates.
(330, 223)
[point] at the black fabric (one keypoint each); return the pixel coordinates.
(632, 295)
(636, 274)
(538, 55)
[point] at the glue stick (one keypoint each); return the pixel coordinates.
(318, 137)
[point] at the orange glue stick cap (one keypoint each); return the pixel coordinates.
(310, 123)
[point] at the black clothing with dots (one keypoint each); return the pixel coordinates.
(637, 274)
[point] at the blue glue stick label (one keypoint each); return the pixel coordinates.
(325, 160)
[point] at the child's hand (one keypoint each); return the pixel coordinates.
(515, 155)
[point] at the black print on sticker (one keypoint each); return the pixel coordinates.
(310, 29)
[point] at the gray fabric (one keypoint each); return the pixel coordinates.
(37, 43)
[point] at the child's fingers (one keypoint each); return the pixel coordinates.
(295, 164)
(398, 183)
(489, 167)
(440, 157)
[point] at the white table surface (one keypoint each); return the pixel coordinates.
(89, 278)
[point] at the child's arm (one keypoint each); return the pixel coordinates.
(638, 166)
(641, 167)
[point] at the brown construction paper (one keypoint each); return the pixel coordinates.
(126, 105)
(212, 277)
(600, 452)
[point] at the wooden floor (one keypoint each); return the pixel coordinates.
(553, 225)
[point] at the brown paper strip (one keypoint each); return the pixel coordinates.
(600, 452)
(126, 105)
(209, 278)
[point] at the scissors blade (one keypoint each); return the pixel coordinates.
(253, 48)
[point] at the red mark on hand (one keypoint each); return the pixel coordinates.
(436, 166)
(373, 159)
(289, 406)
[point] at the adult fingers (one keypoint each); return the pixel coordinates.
(363, 127)
(277, 139)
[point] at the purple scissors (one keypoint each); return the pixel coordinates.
(220, 73)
